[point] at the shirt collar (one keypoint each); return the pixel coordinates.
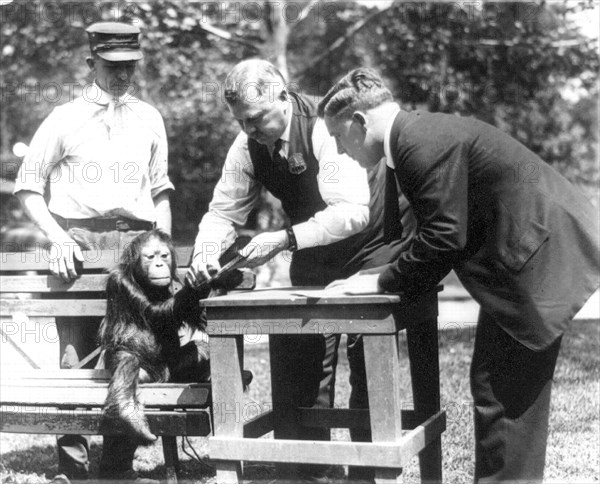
(285, 136)
(100, 96)
(386, 139)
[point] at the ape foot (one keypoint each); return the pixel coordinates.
(130, 419)
(135, 421)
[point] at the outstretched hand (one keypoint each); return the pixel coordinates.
(201, 271)
(355, 285)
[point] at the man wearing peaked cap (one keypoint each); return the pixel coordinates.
(115, 41)
(122, 141)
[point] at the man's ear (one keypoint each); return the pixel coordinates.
(360, 118)
(90, 62)
(283, 95)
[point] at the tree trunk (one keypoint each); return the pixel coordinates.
(275, 48)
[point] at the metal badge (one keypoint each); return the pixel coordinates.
(296, 164)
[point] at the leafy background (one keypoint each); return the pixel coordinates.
(524, 67)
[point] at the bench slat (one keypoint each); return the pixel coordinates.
(94, 394)
(85, 283)
(47, 283)
(54, 307)
(93, 259)
(41, 420)
(45, 374)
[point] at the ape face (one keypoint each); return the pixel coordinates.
(156, 262)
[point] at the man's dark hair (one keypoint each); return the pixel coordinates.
(360, 89)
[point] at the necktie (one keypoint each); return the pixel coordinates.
(276, 156)
(392, 224)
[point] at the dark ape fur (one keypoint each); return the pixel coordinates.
(139, 334)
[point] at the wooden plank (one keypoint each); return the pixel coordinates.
(38, 260)
(383, 380)
(48, 283)
(88, 358)
(306, 451)
(297, 296)
(18, 349)
(226, 356)
(377, 454)
(345, 418)
(422, 437)
(171, 458)
(423, 354)
(43, 374)
(286, 319)
(85, 283)
(54, 307)
(258, 426)
(29, 392)
(40, 420)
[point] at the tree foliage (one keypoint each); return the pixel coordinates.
(524, 67)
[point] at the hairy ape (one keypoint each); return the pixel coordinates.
(139, 333)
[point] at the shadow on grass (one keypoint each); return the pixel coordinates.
(573, 445)
(36, 459)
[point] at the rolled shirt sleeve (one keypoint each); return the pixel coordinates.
(158, 168)
(344, 187)
(236, 194)
(44, 154)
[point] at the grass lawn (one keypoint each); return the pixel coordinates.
(574, 442)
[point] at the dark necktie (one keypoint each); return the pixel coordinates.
(276, 156)
(392, 224)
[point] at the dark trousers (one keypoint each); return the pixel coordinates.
(73, 450)
(303, 367)
(511, 387)
(302, 374)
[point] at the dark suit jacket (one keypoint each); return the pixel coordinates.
(521, 238)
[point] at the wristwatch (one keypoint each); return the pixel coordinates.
(292, 244)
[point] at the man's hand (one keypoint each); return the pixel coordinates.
(63, 253)
(264, 247)
(358, 284)
(201, 271)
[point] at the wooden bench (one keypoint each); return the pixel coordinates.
(56, 401)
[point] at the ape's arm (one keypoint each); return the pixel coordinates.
(186, 307)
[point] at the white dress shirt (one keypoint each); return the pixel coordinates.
(101, 157)
(343, 185)
(389, 159)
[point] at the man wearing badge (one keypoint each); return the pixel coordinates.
(334, 228)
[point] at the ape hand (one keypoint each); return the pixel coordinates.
(201, 271)
(264, 247)
(358, 284)
(64, 251)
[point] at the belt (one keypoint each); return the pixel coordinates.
(121, 224)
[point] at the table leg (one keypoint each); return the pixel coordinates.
(383, 381)
(423, 354)
(226, 355)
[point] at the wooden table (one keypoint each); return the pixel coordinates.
(397, 434)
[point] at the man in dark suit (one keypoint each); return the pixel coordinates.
(521, 238)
